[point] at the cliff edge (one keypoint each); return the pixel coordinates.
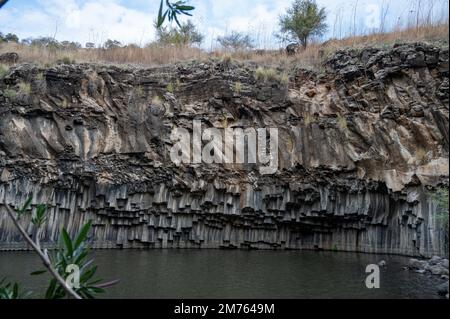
(362, 145)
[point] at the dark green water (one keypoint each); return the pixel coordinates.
(238, 274)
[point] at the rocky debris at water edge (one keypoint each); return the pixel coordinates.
(436, 266)
(362, 146)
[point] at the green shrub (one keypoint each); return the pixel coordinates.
(156, 100)
(170, 87)
(66, 60)
(422, 156)
(3, 71)
(10, 94)
(271, 75)
(25, 88)
(138, 91)
(40, 76)
(227, 59)
(308, 119)
(238, 87)
(342, 122)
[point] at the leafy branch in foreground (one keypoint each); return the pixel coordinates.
(10, 290)
(3, 2)
(173, 10)
(73, 274)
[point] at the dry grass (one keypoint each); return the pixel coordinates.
(10, 93)
(421, 156)
(342, 122)
(127, 55)
(308, 119)
(25, 88)
(311, 57)
(237, 87)
(427, 33)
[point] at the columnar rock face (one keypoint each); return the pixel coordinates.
(361, 147)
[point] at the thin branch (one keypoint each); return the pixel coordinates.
(44, 257)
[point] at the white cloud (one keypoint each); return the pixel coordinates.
(92, 21)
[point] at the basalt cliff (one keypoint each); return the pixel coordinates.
(362, 145)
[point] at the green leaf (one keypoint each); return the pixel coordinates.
(67, 241)
(173, 10)
(185, 8)
(25, 206)
(80, 257)
(97, 290)
(26, 295)
(38, 272)
(40, 215)
(88, 274)
(15, 293)
(176, 20)
(161, 17)
(82, 235)
(40, 211)
(50, 293)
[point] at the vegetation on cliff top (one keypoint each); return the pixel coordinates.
(303, 22)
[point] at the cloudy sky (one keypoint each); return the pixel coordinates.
(131, 21)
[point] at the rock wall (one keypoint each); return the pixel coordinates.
(362, 145)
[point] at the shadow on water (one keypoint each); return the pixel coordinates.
(238, 274)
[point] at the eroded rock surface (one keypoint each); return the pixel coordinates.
(361, 146)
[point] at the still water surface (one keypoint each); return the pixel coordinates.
(237, 274)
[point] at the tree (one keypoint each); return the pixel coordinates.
(112, 44)
(70, 45)
(187, 34)
(302, 21)
(47, 42)
(10, 37)
(236, 41)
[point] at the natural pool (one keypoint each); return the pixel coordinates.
(237, 274)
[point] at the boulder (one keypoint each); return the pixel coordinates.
(293, 49)
(435, 260)
(9, 58)
(417, 264)
(443, 289)
(438, 270)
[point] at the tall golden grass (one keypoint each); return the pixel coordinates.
(312, 56)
